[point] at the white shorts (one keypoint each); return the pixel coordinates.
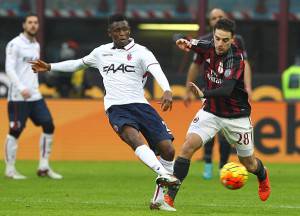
(237, 131)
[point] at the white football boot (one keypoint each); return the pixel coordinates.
(14, 174)
(49, 173)
(163, 203)
(167, 180)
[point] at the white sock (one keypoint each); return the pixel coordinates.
(11, 146)
(168, 165)
(146, 155)
(45, 150)
(159, 191)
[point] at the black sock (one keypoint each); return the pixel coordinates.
(181, 169)
(208, 148)
(225, 150)
(260, 171)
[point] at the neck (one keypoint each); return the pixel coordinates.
(29, 37)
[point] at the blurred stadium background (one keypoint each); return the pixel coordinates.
(72, 28)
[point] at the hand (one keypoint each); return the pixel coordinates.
(184, 44)
(166, 101)
(40, 66)
(26, 94)
(192, 91)
(192, 87)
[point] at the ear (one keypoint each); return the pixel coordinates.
(23, 25)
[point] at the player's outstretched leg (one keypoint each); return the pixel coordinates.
(44, 169)
(255, 166)
(182, 164)
(11, 146)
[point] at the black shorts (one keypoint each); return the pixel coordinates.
(142, 117)
(20, 111)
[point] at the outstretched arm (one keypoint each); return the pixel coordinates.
(40, 66)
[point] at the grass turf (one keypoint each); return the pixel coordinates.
(125, 188)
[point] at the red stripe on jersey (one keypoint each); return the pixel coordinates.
(223, 106)
(234, 106)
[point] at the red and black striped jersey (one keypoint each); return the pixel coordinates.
(217, 69)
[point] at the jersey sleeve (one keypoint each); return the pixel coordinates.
(200, 46)
(241, 45)
(147, 60)
(198, 59)
(91, 59)
(10, 65)
(234, 68)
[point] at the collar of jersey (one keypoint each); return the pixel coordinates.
(128, 46)
(23, 37)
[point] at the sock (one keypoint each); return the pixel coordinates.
(181, 169)
(145, 154)
(159, 191)
(260, 171)
(11, 146)
(168, 165)
(45, 150)
(208, 148)
(225, 150)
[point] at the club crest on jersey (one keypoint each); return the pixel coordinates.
(129, 57)
(227, 73)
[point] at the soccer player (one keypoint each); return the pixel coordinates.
(226, 107)
(124, 64)
(224, 148)
(25, 101)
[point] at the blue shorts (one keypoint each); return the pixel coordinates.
(20, 111)
(143, 118)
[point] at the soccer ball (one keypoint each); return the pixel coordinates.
(233, 175)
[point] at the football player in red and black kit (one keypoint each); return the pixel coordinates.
(226, 107)
(194, 69)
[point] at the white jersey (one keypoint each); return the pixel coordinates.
(123, 71)
(19, 51)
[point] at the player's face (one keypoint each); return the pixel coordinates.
(31, 25)
(119, 32)
(215, 16)
(223, 40)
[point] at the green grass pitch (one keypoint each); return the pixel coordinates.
(125, 188)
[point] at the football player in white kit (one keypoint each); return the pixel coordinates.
(25, 101)
(123, 64)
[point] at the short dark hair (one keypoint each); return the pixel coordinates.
(30, 14)
(226, 25)
(116, 18)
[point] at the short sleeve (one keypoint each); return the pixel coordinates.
(197, 59)
(91, 59)
(148, 59)
(240, 43)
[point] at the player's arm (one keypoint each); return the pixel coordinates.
(199, 46)
(90, 60)
(248, 72)
(193, 73)
(160, 77)
(40, 66)
(10, 68)
(248, 78)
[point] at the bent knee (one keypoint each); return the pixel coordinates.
(48, 127)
